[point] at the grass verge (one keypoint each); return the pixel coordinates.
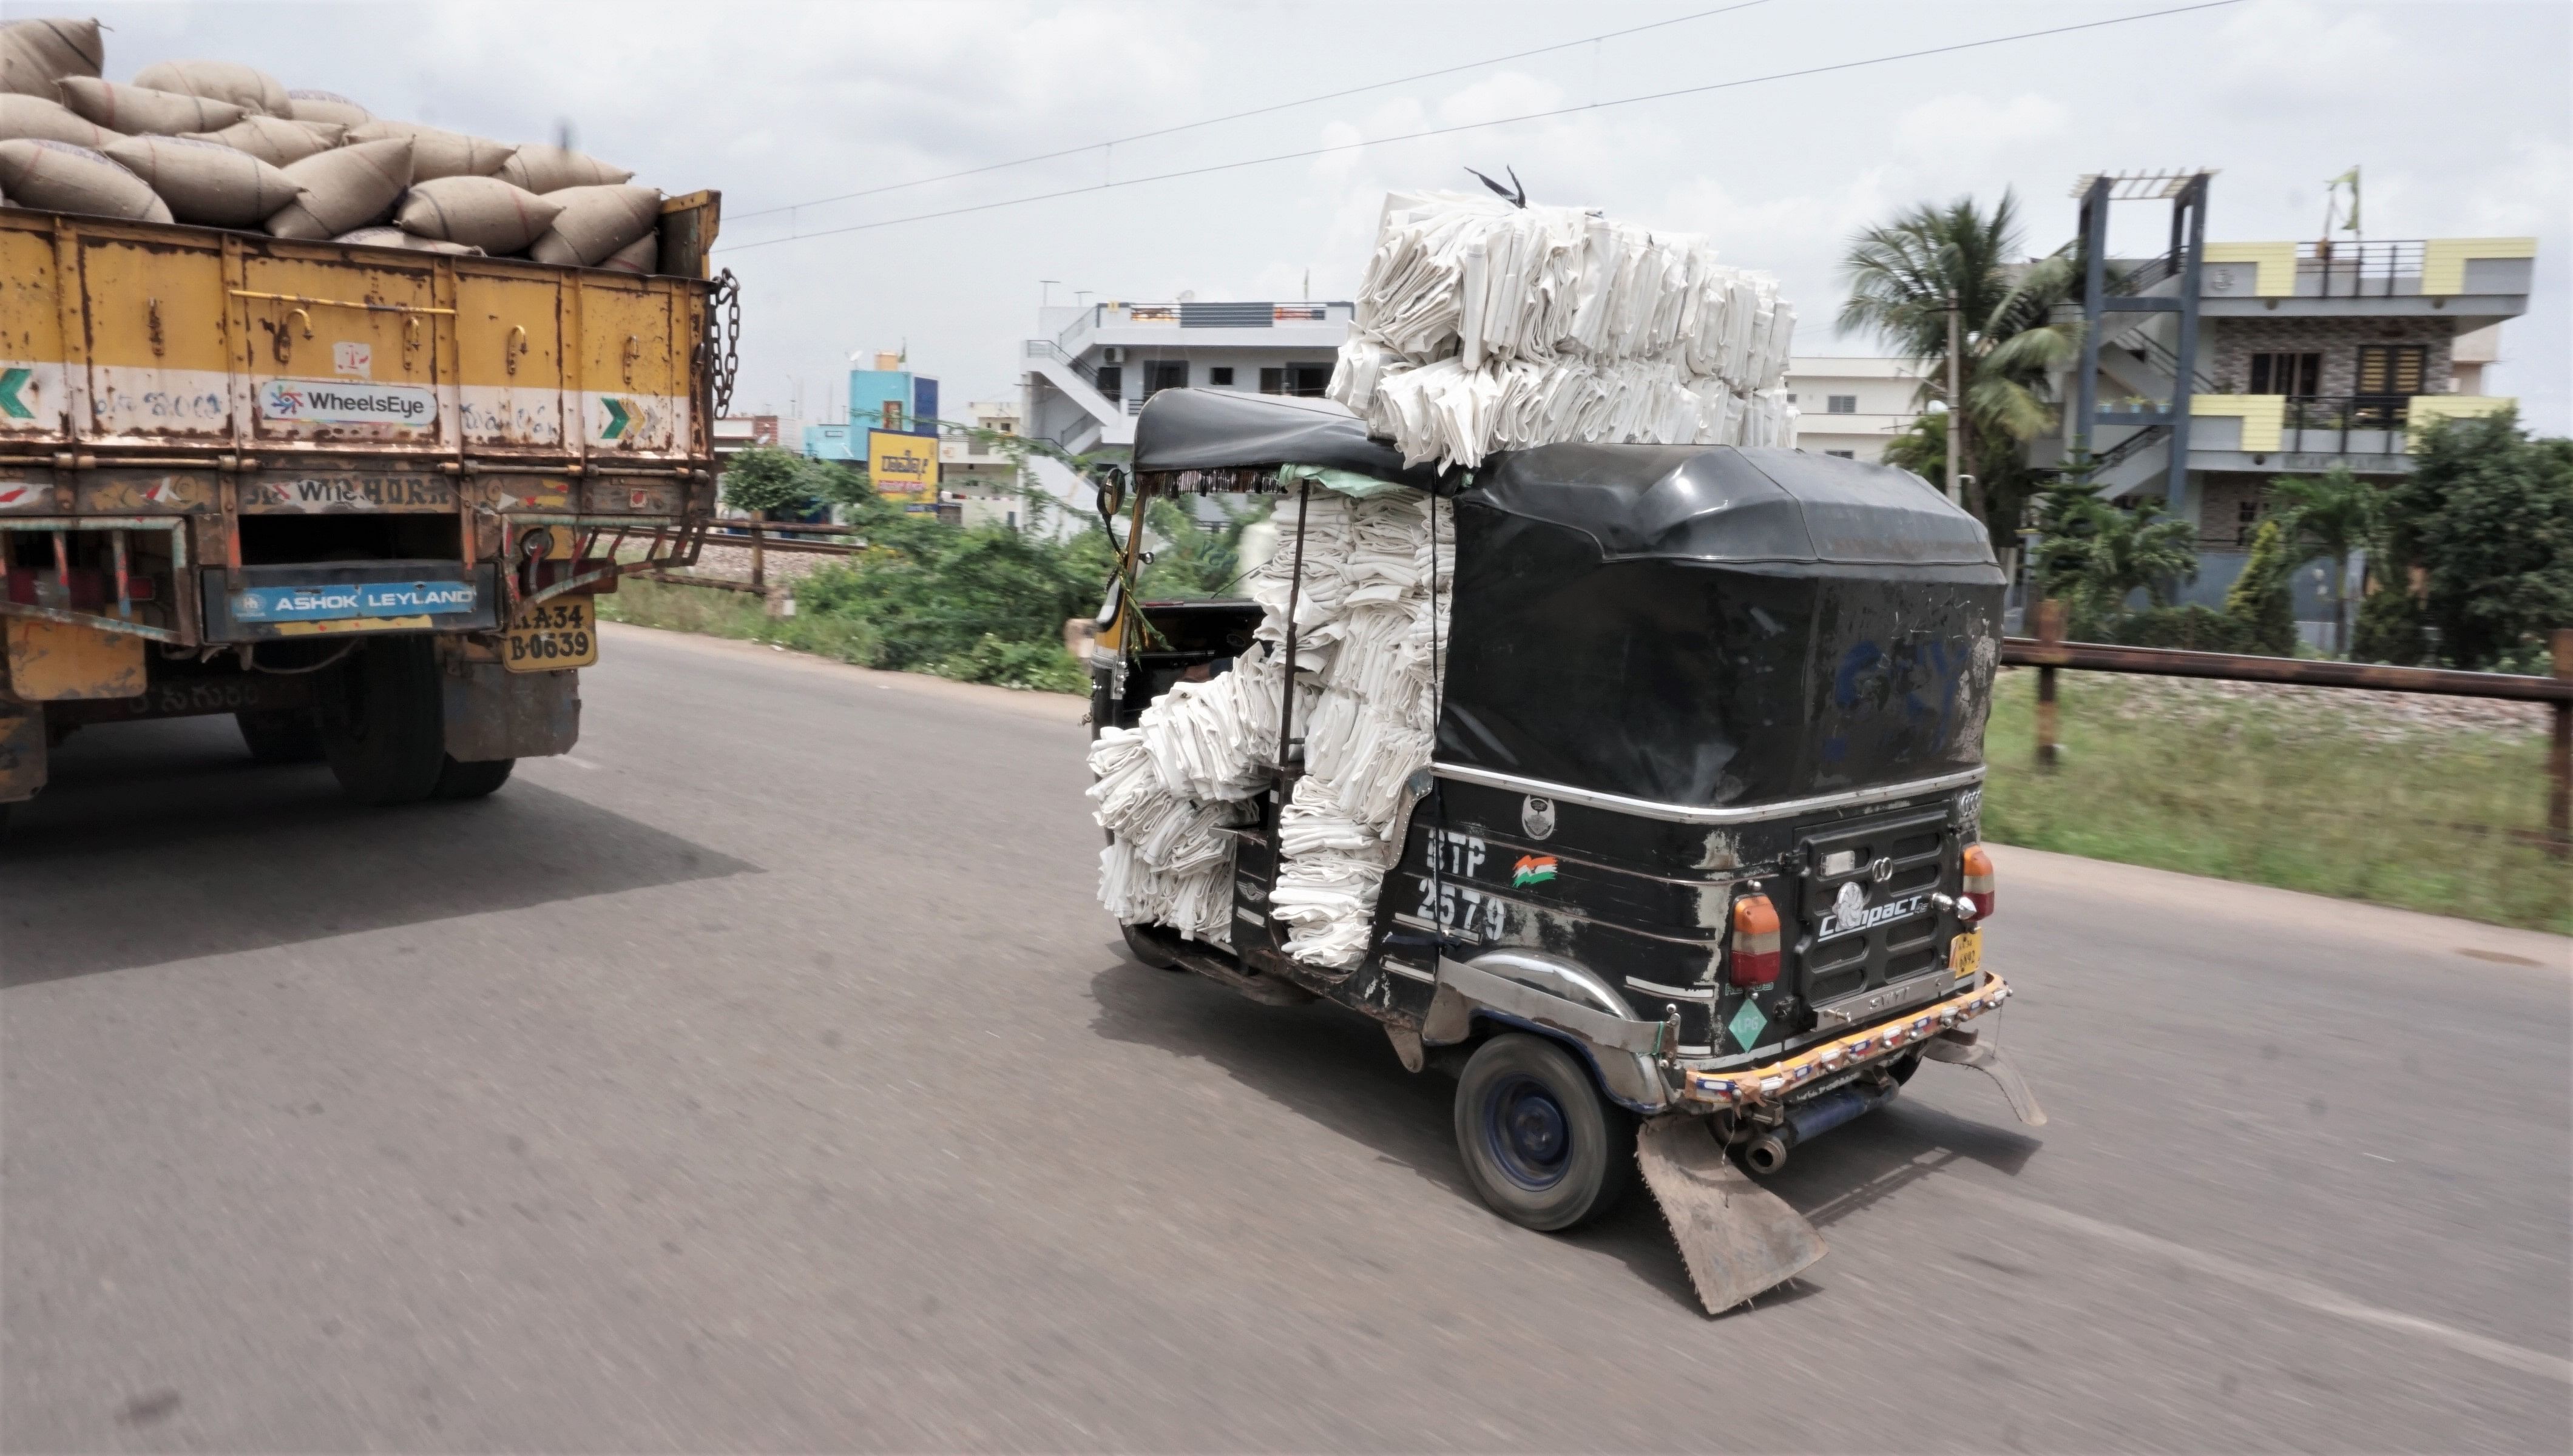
(2276, 794)
(714, 612)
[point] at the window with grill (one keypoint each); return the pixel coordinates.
(1308, 380)
(1220, 375)
(1273, 381)
(1165, 375)
(1110, 380)
(1840, 404)
(2391, 368)
(2300, 375)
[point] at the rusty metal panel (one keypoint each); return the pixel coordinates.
(631, 496)
(146, 492)
(495, 713)
(342, 350)
(333, 490)
(634, 373)
(22, 750)
(159, 368)
(27, 490)
(53, 660)
(508, 344)
(34, 405)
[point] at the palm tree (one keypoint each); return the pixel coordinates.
(2096, 553)
(1901, 277)
(2335, 515)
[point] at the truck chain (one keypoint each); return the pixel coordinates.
(723, 338)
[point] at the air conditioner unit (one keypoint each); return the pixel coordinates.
(1112, 356)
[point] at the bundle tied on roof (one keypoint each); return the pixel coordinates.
(1483, 326)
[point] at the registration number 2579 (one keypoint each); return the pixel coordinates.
(551, 635)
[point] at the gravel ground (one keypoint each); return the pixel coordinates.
(2375, 715)
(733, 563)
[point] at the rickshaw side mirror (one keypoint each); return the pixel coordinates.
(1111, 492)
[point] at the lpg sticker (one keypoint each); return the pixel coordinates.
(328, 401)
(1532, 870)
(353, 360)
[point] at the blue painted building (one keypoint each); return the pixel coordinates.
(884, 397)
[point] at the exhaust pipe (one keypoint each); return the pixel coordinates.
(1807, 1120)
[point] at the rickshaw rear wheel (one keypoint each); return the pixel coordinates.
(1543, 1148)
(1148, 944)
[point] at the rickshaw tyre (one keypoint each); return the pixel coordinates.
(1518, 1097)
(477, 780)
(1145, 946)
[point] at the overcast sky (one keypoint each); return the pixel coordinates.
(2459, 113)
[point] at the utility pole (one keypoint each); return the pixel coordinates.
(1956, 408)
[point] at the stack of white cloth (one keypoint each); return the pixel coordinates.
(1483, 326)
(1371, 593)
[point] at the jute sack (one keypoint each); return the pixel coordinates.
(36, 53)
(32, 118)
(274, 140)
(326, 106)
(641, 256)
(596, 222)
(541, 169)
(207, 182)
(435, 153)
(140, 111)
(482, 211)
(244, 85)
(344, 190)
(58, 177)
(396, 238)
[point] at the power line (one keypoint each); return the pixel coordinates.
(1476, 126)
(1255, 110)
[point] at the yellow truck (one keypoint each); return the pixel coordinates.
(360, 498)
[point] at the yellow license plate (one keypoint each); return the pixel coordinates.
(1966, 954)
(551, 635)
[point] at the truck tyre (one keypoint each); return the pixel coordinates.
(1541, 1145)
(460, 780)
(383, 724)
(281, 735)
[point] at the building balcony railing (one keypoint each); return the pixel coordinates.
(1192, 315)
(2324, 425)
(2359, 269)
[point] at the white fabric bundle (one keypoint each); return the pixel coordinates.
(1363, 708)
(1483, 326)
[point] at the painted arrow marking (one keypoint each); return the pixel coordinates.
(619, 415)
(11, 382)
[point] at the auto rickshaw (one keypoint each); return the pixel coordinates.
(1695, 872)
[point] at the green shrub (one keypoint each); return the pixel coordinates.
(2258, 601)
(1043, 666)
(2190, 628)
(2389, 629)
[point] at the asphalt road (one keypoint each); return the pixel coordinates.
(762, 1078)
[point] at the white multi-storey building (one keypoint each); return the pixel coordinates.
(1090, 369)
(1850, 407)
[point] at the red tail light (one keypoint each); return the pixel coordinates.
(1755, 941)
(1979, 881)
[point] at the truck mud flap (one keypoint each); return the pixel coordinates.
(1736, 1237)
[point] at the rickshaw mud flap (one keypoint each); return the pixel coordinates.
(1736, 1237)
(1986, 1058)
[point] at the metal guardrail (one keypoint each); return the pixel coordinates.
(2048, 652)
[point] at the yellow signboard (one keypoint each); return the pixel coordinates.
(904, 467)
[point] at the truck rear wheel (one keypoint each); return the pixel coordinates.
(282, 735)
(461, 780)
(1540, 1143)
(382, 725)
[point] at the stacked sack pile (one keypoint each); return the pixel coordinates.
(1482, 326)
(1169, 788)
(226, 146)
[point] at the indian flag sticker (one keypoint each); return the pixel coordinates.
(1532, 870)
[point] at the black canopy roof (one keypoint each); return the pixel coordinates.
(1717, 504)
(1218, 429)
